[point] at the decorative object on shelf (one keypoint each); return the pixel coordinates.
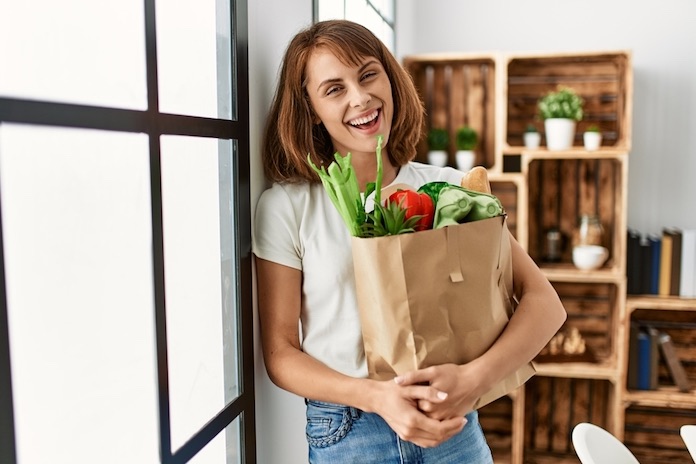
(592, 138)
(465, 141)
(532, 137)
(566, 346)
(560, 110)
(589, 252)
(438, 143)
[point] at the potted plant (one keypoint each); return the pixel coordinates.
(560, 110)
(532, 137)
(438, 143)
(465, 140)
(592, 138)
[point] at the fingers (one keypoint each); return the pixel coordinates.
(436, 433)
(421, 376)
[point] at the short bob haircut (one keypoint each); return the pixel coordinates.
(291, 133)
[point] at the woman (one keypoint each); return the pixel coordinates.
(339, 87)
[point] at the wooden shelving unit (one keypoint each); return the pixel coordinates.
(543, 190)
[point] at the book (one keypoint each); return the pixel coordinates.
(656, 247)
(646, 256)
(632, 371)
(665, 264)
(633, 262)
(648, 358)
(687, 282)
(675, 273)
(676, 369)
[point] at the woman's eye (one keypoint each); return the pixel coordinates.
(368, 75)
(332, 90)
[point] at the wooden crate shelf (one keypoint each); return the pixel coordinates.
(459, 90)
(652, 434)
(564, 186)
(510, 188)
(603, 79)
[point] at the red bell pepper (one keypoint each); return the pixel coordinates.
(415, 204)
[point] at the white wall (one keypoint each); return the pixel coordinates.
(663, 41)
(272, 23)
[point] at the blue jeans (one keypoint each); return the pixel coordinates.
(340, 434)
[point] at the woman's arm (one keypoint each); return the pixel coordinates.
(279, 305)
(536, 320)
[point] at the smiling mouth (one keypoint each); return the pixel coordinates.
(366, 121)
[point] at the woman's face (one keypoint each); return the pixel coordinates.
(353, 102)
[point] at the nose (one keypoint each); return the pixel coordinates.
(359, 97)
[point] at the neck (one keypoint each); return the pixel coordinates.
(365, 167)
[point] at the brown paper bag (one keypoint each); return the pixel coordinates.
(434, 297)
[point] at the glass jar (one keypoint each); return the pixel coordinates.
(589, 231)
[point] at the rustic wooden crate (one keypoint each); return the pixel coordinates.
(496, 422)
(652, 434)
(591, 309)
(681, 327)
(458, 90)
(603, 79)
(510, 189)
(560, 190)
(553, 407)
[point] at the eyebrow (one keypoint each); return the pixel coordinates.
(337, 79)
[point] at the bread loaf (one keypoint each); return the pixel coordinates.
(477, 180)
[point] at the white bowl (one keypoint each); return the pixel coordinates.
(589, 257)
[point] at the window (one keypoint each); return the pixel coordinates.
(376, 15)
(125, 245)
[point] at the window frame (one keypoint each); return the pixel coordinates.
(155, 124)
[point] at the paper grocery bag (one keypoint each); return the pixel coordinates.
(434, 297)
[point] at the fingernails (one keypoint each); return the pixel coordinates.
(465, 420)
(442, 395)
(398, 380)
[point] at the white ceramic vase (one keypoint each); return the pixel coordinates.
(465, 160)
(560, 133)
(437, 158)
(592, 140)
(532, 140)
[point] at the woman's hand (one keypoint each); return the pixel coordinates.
(398, 406)
(461, 383)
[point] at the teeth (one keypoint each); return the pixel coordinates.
(365, 120)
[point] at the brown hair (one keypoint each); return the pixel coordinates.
(291, 133)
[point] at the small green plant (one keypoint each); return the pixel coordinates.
(563, 103)
(466, 138)
(531, 128)
(438, 139)
(592, 128)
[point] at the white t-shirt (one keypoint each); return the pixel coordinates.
(296, 225)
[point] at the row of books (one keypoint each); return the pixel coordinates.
(662, 265)
(646, 346)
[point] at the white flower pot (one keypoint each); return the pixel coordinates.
(465, 160)
(559, 133)
(437, 158)
(592, 140)
(532, 140)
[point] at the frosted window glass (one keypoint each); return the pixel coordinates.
(193, 57)
(199, 280)
(223, 449)
(78, 250)
(75, 51)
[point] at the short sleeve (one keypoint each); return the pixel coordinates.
(276, 229)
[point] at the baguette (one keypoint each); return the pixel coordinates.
(477, 180)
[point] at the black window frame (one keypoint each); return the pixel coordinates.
(154, 124)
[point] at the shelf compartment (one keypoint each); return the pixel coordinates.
(561, 189)
(652, 434)
(679, 322)
(603, 79)
(554, 406)
(458, 90)
(510, 190)
(496, 421)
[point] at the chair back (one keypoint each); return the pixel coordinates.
(594, 445)
(688, 434)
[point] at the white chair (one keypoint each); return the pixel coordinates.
(688, 434)
(594, 445)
